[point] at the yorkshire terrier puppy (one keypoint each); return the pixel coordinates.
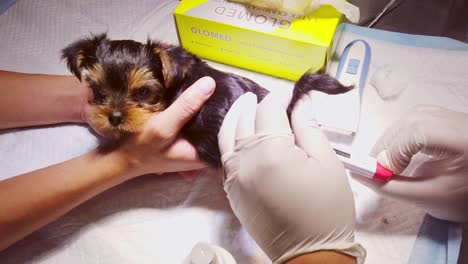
(131, 81)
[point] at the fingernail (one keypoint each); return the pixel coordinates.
(382, 158)
(307, 103)
(206, 85)
(302, 106)
(305, 111)
(190, 177)
(314, 123)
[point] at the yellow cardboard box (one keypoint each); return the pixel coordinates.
(273, 42)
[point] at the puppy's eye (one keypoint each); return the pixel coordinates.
(141, 94)
(143, 91)
(98, 97)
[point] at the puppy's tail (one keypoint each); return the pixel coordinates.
(315, 82)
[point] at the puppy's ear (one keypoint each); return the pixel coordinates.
(176, 62)
(82, 54)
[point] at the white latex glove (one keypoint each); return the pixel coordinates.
(291, 199)
(440, 185)
(303, 7)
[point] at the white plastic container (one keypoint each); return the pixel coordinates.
(204, 253)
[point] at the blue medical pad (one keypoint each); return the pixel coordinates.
(5, 4)
(438, 242)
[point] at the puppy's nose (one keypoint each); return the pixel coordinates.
(115, 118)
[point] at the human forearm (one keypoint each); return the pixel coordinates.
(329, 257)
(34, 199)
(38, 99)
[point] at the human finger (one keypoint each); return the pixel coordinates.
(168, 123)
(271, 117)
(227, 132)
(308, 135)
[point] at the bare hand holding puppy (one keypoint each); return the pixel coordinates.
(32, 200)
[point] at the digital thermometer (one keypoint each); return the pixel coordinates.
(352, 70)
(365, 166)
(341, 113)
(354, 64)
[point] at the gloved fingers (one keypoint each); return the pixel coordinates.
(394, 159)
(399, 143)
(308, 135)
(246, 124)
(387, 137)
(400, 187)
(444, 130)
(427, 129)
(271, 117)
(429, 183)
(229, 128)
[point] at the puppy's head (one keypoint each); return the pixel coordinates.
(128, 79)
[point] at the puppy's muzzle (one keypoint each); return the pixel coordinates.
(115, 118)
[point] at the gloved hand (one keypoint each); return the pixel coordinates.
(291, 199)
(440, 185)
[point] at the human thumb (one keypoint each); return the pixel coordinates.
(308, 134)
(185, 107)
(397, 155)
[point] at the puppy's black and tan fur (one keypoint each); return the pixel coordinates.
(131, 81)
